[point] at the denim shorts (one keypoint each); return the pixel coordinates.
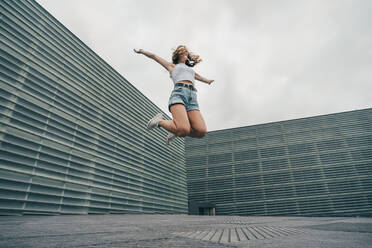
(185, 96)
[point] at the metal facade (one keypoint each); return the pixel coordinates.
(72, 129)
(318, 166)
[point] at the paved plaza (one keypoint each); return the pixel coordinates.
(183, 231)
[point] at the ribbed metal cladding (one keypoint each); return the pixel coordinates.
(317, 166)
(73, 130)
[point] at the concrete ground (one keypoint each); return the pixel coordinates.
(174, 231)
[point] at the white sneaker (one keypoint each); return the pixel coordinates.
(155, 121)
(170, 137)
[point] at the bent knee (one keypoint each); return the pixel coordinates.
(200, 133)
(203, 133)
(183, 132)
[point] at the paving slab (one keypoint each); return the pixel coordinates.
(183, 231)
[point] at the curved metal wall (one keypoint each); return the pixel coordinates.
(318, 166)
(72, 129)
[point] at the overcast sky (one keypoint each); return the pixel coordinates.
(271, 60)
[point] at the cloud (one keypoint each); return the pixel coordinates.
(271, 60)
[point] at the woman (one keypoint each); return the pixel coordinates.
(187, 120)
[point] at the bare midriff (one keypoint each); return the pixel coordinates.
(185, 82)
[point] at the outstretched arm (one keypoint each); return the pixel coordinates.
(203, 79)
(167, 65)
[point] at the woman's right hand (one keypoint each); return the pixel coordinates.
(138, 51)
(210, 81)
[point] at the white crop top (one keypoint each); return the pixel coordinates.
(182, 72)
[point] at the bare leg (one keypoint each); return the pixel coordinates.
(180, 124)
(168, 125)
(198, 127)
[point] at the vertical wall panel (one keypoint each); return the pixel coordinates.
(318, 166)
(72, 129)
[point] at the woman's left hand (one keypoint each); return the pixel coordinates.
(138, 51)
(210, 81)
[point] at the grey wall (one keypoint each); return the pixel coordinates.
(72, 130)
(318, 166)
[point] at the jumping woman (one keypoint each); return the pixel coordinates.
(187, 120)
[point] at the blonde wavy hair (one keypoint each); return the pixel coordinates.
(192, 59)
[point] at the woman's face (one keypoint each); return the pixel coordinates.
(183, 57)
